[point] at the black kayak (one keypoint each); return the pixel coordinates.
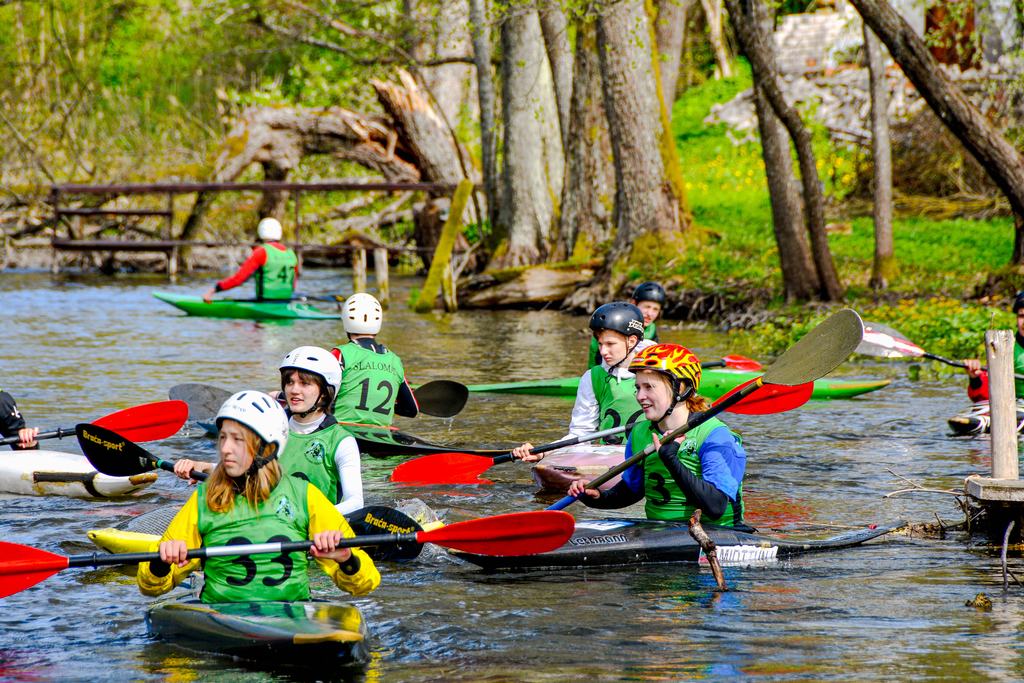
(623, 542)
(313, 634)
(978, 420)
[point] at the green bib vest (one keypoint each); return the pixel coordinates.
(650, 332)
(664, 498)
(282, 517)
(369, 386)
(276, 278)
(310, 457)
(616, 400)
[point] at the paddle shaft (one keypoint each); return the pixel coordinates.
(104, 559)
(58, 433)
(168, 466)
(693, 422)
(958, 364)
(555, 445)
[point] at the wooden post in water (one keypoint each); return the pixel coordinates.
(443, 252)
(380, 269)
(298, 228)
(172, 255)
(448, 293)
(999, 350)
(359, 270)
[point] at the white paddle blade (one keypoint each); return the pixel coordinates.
(885, 342)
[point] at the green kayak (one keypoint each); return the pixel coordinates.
(714, 382)
(311, 634)
(248, 309)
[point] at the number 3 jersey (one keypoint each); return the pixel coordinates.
(370, 380)
(294, 511)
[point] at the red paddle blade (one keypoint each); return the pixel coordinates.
(517, 533)
(770, 398)
(443, 468)
(148, 422)
(22, 566)
(737, 362)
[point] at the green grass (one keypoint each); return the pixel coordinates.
(941, 262)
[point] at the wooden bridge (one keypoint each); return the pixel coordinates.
(69, 221)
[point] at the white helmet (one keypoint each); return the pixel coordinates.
(317, 361)
(260, 413)
(269, 230)
(363, 314)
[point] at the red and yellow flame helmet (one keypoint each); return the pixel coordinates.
(678, 362)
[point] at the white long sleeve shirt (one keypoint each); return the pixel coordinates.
(347, 462)
(586, 413)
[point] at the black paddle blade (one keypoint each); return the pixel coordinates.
(379, 519)
(203, 400)
(111, 453)
(818, 352)
(442, 398)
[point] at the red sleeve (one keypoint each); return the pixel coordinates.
(256, 259)
(977, 389)
(337, 353)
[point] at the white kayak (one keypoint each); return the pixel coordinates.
(586, 461)
(53, 473)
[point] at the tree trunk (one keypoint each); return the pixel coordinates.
(667, 143)
(486, 95)
(716, 35)
(670, 28)
(884, 266)
(529, 112)
(555, 28)
(1004, 164)
(799, 277)
(755, 44)
(438, 30)
(643, 200)
(281, 136)
(273, 203)
(587, 198)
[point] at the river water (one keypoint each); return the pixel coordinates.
(77, 347)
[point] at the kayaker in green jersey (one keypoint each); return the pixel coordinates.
(275, 266)
(13, 424)
(701, 469)
(606, 396)
(649, 297)
(373, 386)
(248, 500)
(977, 386)
(319, 450)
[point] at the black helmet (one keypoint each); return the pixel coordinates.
(649, 291)
(1018, 301)
(620, 317)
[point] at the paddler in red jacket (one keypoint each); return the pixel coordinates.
(275, 266)
(977, 387)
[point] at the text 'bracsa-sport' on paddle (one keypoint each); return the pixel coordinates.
(885, 342)
(466, 468)
(816, 354)
(114, 455)
(516, 533)
(146, 422)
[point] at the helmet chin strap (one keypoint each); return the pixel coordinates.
(676, 398)
(259, 461)
(628, 351)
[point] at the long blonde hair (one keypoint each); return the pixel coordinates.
(221, 488)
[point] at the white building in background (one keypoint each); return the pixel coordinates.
(824, 39)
